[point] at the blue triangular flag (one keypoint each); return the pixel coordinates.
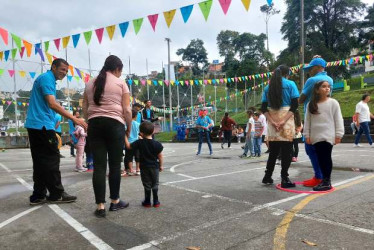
(19, 103)
(214, 81)
(229, 80)
(70, 78)
(76, 39)
(270, 2)
(6, 54)
(36, 47)
(40, 53)
(186, 12)
(176, 82)
(123, 27)
(155, 82)
(32, 74)
(196, 82)
(129, 81)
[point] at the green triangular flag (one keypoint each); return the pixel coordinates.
(87, 36)
(46, 46)
(136, 82)
(201, 82)
(17, 40)
(1, 71)
(77, 78)
(160, 83)
(14, 52)
(205, 8)
(137, 24)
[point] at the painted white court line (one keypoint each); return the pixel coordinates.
(172, 169)
(231, 217)
(279, 212)
(14, 218)
(210, 176)
(92, 238)
(187, 176)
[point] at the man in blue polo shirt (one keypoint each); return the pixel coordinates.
(40, 124)
(316, 70)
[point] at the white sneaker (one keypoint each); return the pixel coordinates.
(357, 146)
(372, 145)
(80, 170)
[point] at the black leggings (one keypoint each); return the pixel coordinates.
(285, 148)
(324, 150)
(227, 137)
(295, 149)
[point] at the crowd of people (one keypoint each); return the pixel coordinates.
(110, 125)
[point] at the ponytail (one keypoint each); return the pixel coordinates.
(111, 64)
(275, 94)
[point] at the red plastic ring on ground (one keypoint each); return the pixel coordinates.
(278, 186)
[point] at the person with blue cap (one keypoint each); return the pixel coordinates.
(317, 73)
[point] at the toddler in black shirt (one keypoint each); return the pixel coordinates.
(151, 162)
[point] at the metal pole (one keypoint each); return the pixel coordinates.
(15, 91)
(170, 100)
(245, 95)
(203, 88)
(227, 94)
(236, 98)
(302, 43)
(254, 92)
(41, 61)
(191, 104)
(68, 85)
(178, 104)
(215, 103)
(146, 65)
(130, 75)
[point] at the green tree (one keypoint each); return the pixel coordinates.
(60, 95)
(331, 28)
(269, 11)
(196, 54)
(367, 28)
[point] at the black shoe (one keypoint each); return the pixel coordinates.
(267, 151)
(267, 180)
(100, 213)
(72, 155)
(37, 201)
(242, 147)
(120, 205)
(286, 183)
(61, 156)
(65, 198)
(325, 185)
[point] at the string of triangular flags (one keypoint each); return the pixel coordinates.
(205, 7)
(80, 75)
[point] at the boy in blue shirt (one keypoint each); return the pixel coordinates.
(151, 162)
(204, 125)
(130, 154)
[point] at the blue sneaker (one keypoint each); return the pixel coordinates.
(120, 205)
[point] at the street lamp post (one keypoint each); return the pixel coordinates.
(170, 99)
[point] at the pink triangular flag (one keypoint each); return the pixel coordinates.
(167, 82)
(57, 43)
(142, 81)
(4, 35)
(153, 20)
(99, 34)
(22, 52)
(225, 4)
(11, 72)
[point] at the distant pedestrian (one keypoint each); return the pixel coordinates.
(324, 127)
(151, 162)
(262, 119)
(249, 136)
(106, 104)
(227, 125)
(279, 103)
(81, 135)
(40, 124)
(204, 125)
(363, 118)
(259, 130)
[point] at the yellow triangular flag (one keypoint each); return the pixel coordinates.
(225, 80)
(65, 41)
(210, 81)
(169, 15)
(149, 82)
(246, 4)
(110, 30)
(49, 57)
(172, 82)
(22, 73)
(191, 82)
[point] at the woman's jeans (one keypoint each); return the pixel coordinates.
(257, 141)
(249, 144)
(364, 128)
(106, 136)
(207, 135)
(324, 150)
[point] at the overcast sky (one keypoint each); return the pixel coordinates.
(36, 20)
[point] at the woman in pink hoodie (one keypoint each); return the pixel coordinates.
(81, 136)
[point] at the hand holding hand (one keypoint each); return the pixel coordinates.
(161, 168)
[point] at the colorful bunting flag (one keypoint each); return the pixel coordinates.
(87, 36)
(123, 27)
(153, 20)
(22, 52)
(14, 53)
(22, 73)
(39, 50)
(205, 8)
(57, 43)
(137, 24)
(46, 45)
(1, 71)
(270, 2)
(11, 72)
(4, 35)
(65, 41)
(169, 16)
(110, 30)
(246, 4)
(28, 47)
(225, 4)
(99, 34)
(32, 74)
(186, 12)
(17, 41)
(76, 39)
(49, 57)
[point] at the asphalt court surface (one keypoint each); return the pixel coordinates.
(211, 202)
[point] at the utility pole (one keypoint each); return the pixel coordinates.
(130, 76)
(15, 91)
(302, 43)
(67, 81)
(146, 65)
(170, 100)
